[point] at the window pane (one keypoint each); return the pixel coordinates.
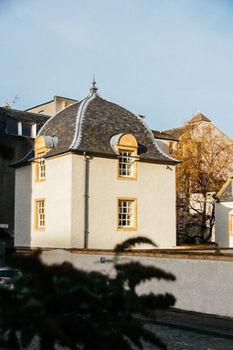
(12, 127)
(40, 214)
(126, 218)
(126, 163)
(41, 166)
(26, 130)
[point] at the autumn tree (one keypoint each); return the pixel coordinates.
(206, 157)
(60, 305)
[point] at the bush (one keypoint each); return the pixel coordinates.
(76, 309)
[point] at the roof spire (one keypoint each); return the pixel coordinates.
(94, 87)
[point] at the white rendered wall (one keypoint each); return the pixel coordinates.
(56, 190)
(154, 190)
(77, 200)
(63, 191)
(201, 285)
(222, 237)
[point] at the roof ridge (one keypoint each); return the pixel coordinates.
(79, 120)
(141, 120)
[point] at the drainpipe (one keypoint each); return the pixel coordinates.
(86, 200)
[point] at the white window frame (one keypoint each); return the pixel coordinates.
(41, 166)
(126, 214)
(126, 163)
(34, 130)
(19, 128)
(40, 214)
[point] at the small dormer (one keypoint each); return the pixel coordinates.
(42, 145)
(126, 147)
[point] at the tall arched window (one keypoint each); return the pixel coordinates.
(126, 147)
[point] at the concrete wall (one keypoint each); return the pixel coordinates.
(154, 190)
(201, 285)
(222, 236)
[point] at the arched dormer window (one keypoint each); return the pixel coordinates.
(126, 146)
(42, 145)
(40, 151)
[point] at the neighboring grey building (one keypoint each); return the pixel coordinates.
(18, 130)
(224, 215)
(95, 178)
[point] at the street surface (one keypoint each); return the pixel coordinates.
(178, 339)
(192, 331)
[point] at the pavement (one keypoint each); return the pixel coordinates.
(196, 322)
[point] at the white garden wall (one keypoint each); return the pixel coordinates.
(201, 285)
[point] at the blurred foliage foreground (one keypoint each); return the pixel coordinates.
(64, 307)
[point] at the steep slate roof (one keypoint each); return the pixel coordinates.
(176, 132)
(21, 116)
(163, 135)
(88, 126)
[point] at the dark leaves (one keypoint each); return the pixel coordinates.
(135, 273)
(159, 301)
(132, 242)
(79, 309)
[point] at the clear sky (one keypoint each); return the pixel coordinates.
(162, 59)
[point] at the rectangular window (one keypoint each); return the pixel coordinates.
(12, 127)
(40, 214)
(41, 166)
(26, 130)
(127, 214)
(126, 163)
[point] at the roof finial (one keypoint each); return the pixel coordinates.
(93, 88)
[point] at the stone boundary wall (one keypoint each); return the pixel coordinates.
(202, 285)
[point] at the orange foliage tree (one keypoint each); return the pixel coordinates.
(206, 157)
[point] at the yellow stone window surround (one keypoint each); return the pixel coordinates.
(39, 165)
(126, 214)
(39, 214)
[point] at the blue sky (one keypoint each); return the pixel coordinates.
(162, 59)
